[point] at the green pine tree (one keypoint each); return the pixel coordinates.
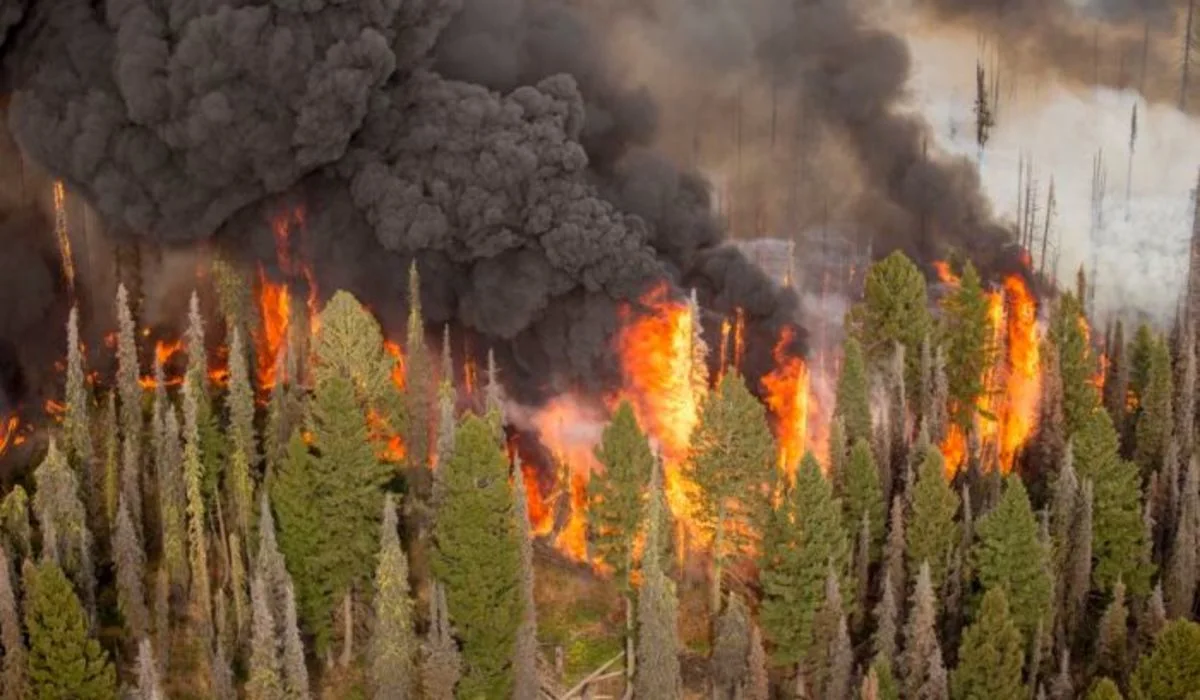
(930, 528)
(895, 309)
(477, 558)
(657, 672)
(1104, 689)
(1009, 555)
(862, 495)
(1075, 361)
(213, 445)
(990, 656)
(65, 663)
(77, 428)
(1172, 670)
(328, 505)
(244, 454)
(392, 649)
(804, 536)
(14, 679)
(420, 390)
(1119, 542)
(1154, 419)
(14, 523)
(966, 336)
(853, 405)
(193, 474)
(615, 495)
(62, 520)
(733, 462)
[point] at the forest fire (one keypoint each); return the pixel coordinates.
(788, 394)
(275, 310)
(1007, 409)
(9, 433)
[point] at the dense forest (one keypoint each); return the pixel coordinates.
(349, 529)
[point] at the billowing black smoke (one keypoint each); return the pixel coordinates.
(488, 142)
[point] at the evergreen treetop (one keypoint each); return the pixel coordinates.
(853, 400)
(615, 495)
(1172, 670)
(930, 527)
(990, 657)
(895, 309)
(966, 336)
(64, 661)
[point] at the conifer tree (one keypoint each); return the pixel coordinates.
(477, 558)
(1181, 574)
(893, 552)
(1155, 419)
(14, 523)
(1075, 363)
(130, 560)
(895, 310)
(887, 621)
(130, 482)
(149, 686)
(1119, 541)
(1141, 353)
(62, 519)
(526, 684)
(392, 649)
(1077, 576)
(731, 647)
(239, 585)
(990, 656)
(861, 571)
(295, 672)
(615, 505)
(1062, 688)
(1051, 437)
(1116, 381)
(77, 427)
(1104, 689)
(931, 532)
(862, 496)
(244, 444)
(264, 682)
(1153, 618)
(193, 475)
(804, 537)
(110, 482)
(1172, 670)
(733, 462)
(839, 452)
(420, 385)
(13, 674)
(1064, 499)
(493, 392)
(853, 401)
(213, 446)
(1112, 643)
(1008, 555)
(657, 674)
(924, 675)
(758, 683)
(894, 384)
(128, 387)
(1184, 407)
(441, 668)
(966, 336)
(64, 661)
(830, 659)
(285, 408)
(172, 499)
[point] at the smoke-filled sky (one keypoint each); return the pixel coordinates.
(542, 160)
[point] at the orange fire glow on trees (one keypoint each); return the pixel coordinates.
(788, 395)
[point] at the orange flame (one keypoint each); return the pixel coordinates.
(390, 443)
(570, 430)
(945, 274)
(8, 433)
(55, 410)
(541, 516)
(274, 306)
(398, 368)
(788, 394)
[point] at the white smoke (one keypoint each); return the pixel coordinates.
(1140, 253)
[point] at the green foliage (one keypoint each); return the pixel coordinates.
(733, 462)
(419, 395)
(804, 536)
(476, 557)
(14, 523)
(615, 509)
(328, 505)
(393, 645)
(1141, 352)
(1119, 541)
(1154, 419)
(193, 475)
(238, 484)
(1104, 689)
(990, 656)
(888, 686)
(853, 395)
(657, 670)
(65, 663)
(895, 309)
(1008, 555)
(1172, 670)
(1076, 364)
(966, 337)
(930, 528)
(862, 495)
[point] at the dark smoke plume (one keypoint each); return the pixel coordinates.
(515, 170)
